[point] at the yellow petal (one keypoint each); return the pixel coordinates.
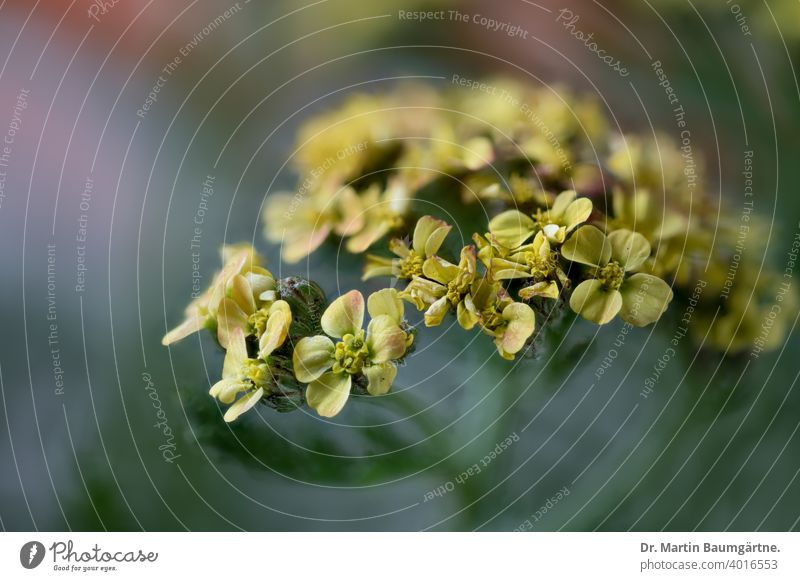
(226, 390)
(278, 323)
(436, 239)
(628, 248)
(233, 266)
(577, 213)
(374, 231)
(546, 289)
(594, 303)
(297, 247)
(641, 206)
(278, 207)
(189, 326)
(436, 312)
(521, 323)
(328, 394)
(230, 318)
(561, 203)
(241, 293)
(312, 357)
(268, 296)
(385, 339)
(429, 233)
(486, 252)
(236, 355)
(386, 302)
(588, 245)
(243, 404)
(260, 283)
(507, 270)
(344, 315)
(621, 203)
(483, 294)
(353, 213)
(468, 260)
(466, 314)
(541, 245)
(233, 253)
(439, 269)
(672, 224)
(380, 378)
(396, 196)
(422, 292)
(380, 266)
(477, 152)
(399, 247)
(644, 299)
(511, 228)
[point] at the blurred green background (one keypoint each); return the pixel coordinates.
(714, 447)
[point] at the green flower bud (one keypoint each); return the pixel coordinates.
(285, 392)
(307, 301)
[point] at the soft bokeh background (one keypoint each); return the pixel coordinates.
(714, 447)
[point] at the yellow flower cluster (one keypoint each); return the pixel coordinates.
(697, 242)
(611, 285)
(546, 165)
(609, 224)
(438, 286)
(253, 315)
(344, 190)
(240, 304)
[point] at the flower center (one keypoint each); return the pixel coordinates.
(459, 286)
(541, 267)
(611, 275)
(542, 218)
(258, 321)
(257, 372)
(350, 354)
(491, 317)
(411, 265)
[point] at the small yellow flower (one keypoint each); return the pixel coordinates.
(240, 375)
(639, 299)
(455, 155)
(367, 131)
(328, 368)
(429, 234)
(512, 228)
(203, 311)
(641, 212)
(251, 304)
(377, 213)
(685, 258)
(655, 163)
(300, 222)
(422, 293)
(488, 248)
(344, 139)
(443, 286)
(538, 263)
(497, 315)
(525, 190)
(271, 327)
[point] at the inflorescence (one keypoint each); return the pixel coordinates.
(611, 225)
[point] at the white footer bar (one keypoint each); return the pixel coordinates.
(390, 556)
